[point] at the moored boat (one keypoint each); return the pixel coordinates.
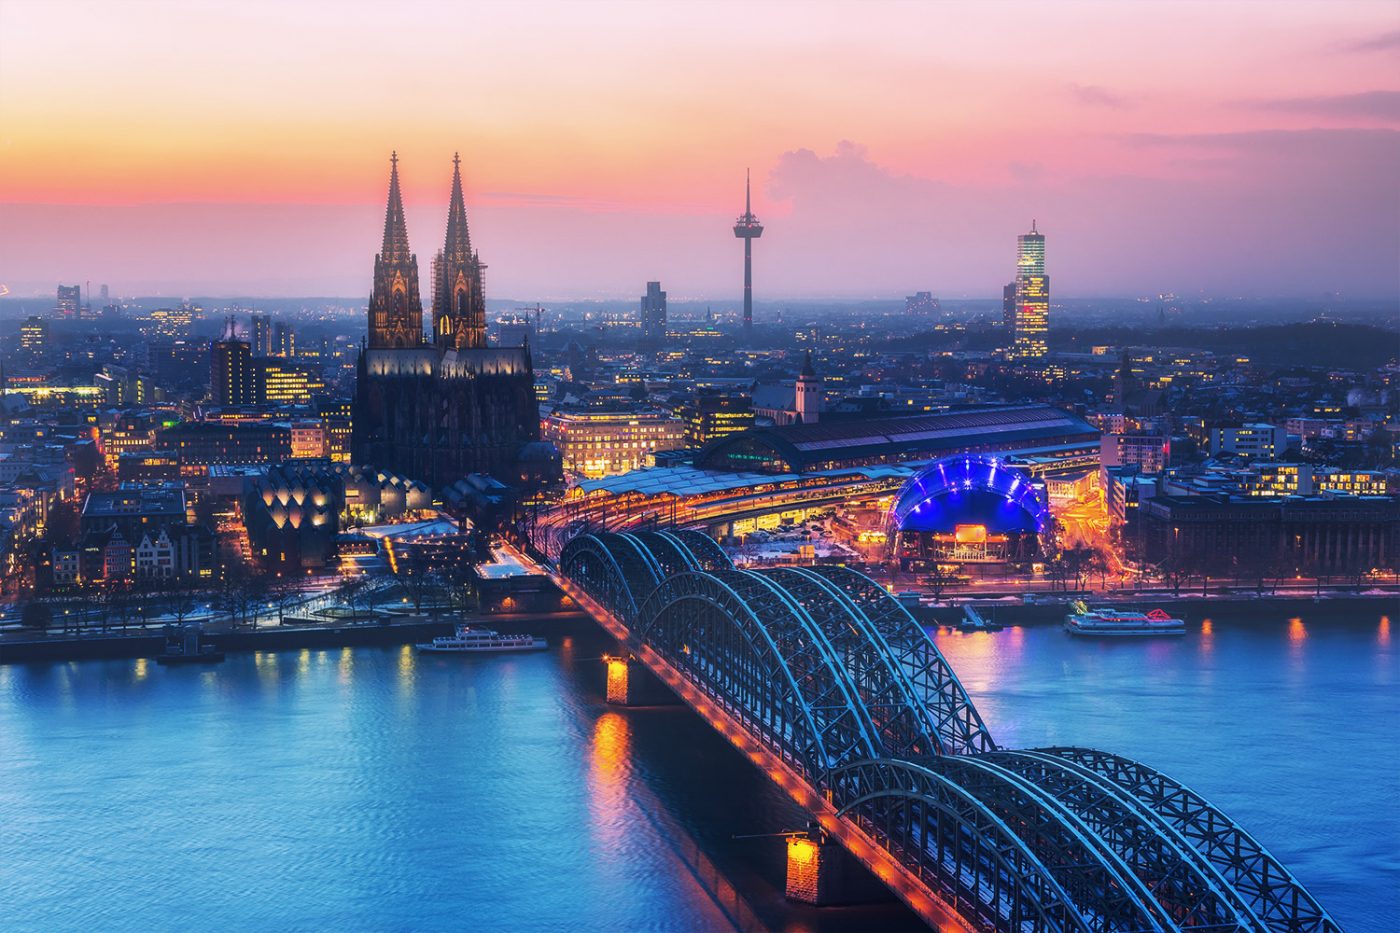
(469, 639)
(1120, 622)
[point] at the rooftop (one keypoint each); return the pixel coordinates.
(803, 446)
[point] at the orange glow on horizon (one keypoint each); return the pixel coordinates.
(589, 116)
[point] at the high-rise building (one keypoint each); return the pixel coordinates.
(70, 301)
(168, 322)
(336, 416)
(808, 395)
(284, 340)
(261, 332)
(106, 300)
(231, 372)
(1032, 296)
(34, 335)
(748, 229)
(711, 415)
(439, 411)
(1251, 441)
(282, 382)
(653, 313)
(1008, 311)
(922, 303)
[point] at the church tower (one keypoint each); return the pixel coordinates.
(808, 397)
(395, 310)
(459, 302)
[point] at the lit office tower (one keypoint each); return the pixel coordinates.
(748, 229)
(34, 335)
(231, 370)
(70, 300)
(922, 303)
(1032, 296)
(284, 341)
(262, 335)
(654, 315)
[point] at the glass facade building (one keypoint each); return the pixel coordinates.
(1032, 301)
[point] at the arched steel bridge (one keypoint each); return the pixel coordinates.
(826, 680)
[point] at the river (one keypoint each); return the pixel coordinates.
(373, 789)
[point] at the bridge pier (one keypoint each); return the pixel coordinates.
(630, 683)
(822, 873)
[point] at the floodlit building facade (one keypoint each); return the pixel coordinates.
(595, 444)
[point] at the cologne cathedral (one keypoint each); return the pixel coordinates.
(439, 410)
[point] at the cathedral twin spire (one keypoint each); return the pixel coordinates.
(459, 305)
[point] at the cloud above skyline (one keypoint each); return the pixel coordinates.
(894, 147)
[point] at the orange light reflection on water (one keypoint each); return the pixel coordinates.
(1207, 636)
(1297, 632)
(612, 741)
(407, 662)
(1383, 631)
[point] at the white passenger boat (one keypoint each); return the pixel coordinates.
(1119, 622)
(470, 639)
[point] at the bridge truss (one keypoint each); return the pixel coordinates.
(832, 677)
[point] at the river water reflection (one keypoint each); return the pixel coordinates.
(374, 789)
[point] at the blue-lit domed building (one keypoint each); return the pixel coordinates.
(967, 508)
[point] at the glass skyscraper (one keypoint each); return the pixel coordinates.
(1032, 296)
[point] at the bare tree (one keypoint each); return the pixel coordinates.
(416, 579)
(240, 595)
(121, 603)
(939, 579)
(180, 597)
(284, 593)
(461, 587)
(1175, 572)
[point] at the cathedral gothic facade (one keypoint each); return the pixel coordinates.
(439, 410)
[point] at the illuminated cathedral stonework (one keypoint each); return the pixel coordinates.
(437, 411)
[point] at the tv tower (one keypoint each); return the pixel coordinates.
(748, 229)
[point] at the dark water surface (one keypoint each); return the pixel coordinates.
(372, 789)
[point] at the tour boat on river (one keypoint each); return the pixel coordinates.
(468, 639)
(1119, 622)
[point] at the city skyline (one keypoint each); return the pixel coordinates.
(892, 151)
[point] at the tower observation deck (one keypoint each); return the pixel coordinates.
(748, 229)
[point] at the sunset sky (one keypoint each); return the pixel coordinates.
(241, 148)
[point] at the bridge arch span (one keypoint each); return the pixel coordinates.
(1276, 896)
(959, 847)
(592, 563)
(957, 724)
(736, 640)
(1087, 868)
(822, 673)
(904, 724)
(1189, 889)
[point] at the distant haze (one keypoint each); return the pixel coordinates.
(221, 148)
